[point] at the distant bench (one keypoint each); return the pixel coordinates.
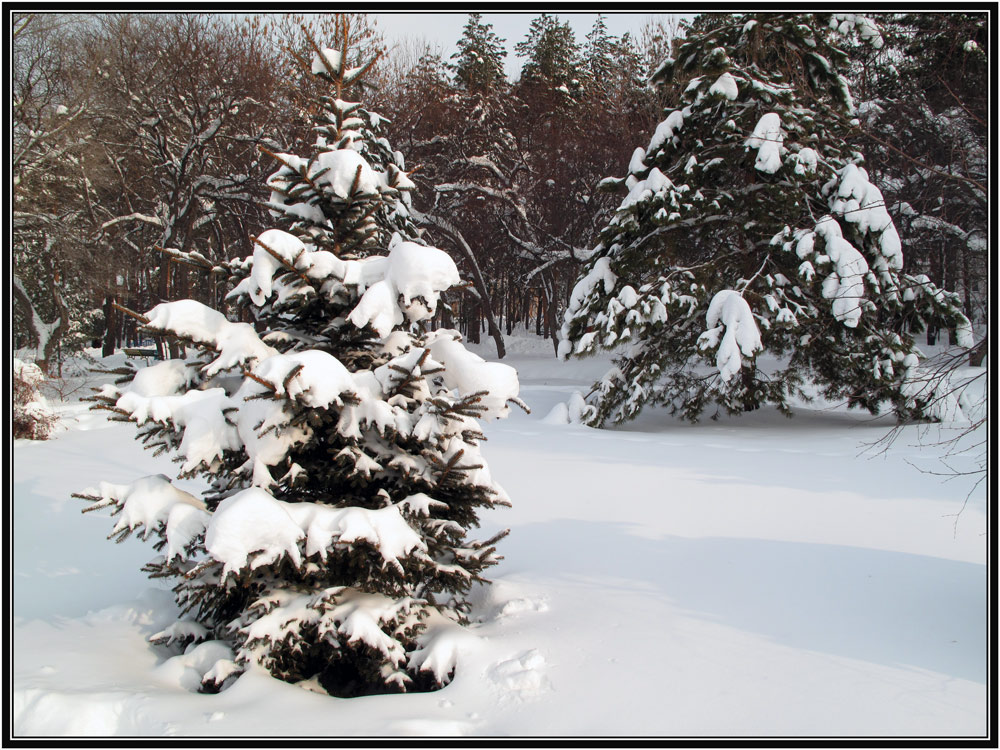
(135, 353)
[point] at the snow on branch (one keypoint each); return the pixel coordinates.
(767, 138)
(487, 163)
(845, 286)
(134, 216)
(730, 317)
(154, 503)
(861, 203)
(415, 276)
(470, 374)
(236, 343)
(43, 331)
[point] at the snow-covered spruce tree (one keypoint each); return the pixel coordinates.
(338, 439)
(750, 226)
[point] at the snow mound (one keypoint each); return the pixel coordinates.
(574, 411)
(210, 661)
(520, 677)
(441, 646)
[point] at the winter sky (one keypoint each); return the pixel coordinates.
(443, 30)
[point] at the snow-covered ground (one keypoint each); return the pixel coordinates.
(753, 576)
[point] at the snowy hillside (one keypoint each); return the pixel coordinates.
(750, 576)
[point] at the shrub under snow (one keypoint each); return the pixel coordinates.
(33, 419)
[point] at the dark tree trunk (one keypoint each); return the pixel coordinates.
(978, 353)
(110, 326)
(472, 321)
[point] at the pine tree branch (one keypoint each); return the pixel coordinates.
(257, 379)
(188, 259)
(449, 467)
(281, 260)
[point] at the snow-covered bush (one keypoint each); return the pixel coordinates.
(337, 433)
(33, 418)
(750, 226)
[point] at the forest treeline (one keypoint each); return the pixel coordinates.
(141, 139)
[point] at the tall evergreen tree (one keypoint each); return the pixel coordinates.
(479, 62)
(337, 435)
(924, 110)
(598, 55)
(750, 226)
(459, 133)
(552, 55)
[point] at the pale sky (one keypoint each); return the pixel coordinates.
(443, 30)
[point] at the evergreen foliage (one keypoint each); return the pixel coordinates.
(479, 62)
(924, 110)
(749, 212)
(553, 56)
(599, 53)
(338, 437)
(334, 204)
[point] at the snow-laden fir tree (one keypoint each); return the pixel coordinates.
(751, 226)
(336, 438)
(478, 65)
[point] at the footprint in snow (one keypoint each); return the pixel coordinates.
(521, 677)
(517, 606)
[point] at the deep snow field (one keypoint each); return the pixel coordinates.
(751, 576)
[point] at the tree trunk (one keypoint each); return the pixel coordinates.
(550, 318)
(166, 349)
(110, 326)
(966, 280)
(46, 335)
(472, 321)
(978, 353)
(511, 310)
